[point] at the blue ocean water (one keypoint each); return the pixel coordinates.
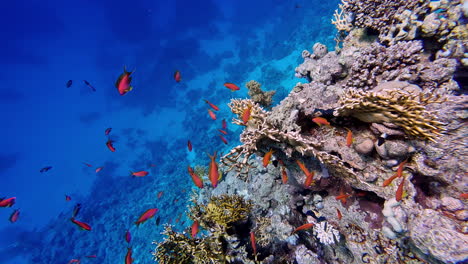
(44, 123)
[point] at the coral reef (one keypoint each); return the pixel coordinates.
(258, 96)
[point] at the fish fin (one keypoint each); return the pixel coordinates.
(129, 89)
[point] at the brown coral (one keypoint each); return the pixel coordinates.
(258, 96)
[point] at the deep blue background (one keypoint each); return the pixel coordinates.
(46, 43)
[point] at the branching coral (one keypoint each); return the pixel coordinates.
(405, 108)
(258, 96)
(179, 249)
(342, 20)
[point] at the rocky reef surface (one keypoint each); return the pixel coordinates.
(385, 181)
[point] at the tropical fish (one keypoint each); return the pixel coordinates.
(123, 82)
(177, 76)
(74, 261)
(389, 180)
(246, 114)
(338, 214)
(14, 216)
(89, 85)
(195, 178)
(223, 139)
(195, 226)
(224, 124)
(99, 169)
(76, 210)
(91, 256)
(67, 198)
(252, 242)
(146, 215)
(399, 173)
(222, 131)
(139, 174)
(160, 194)
(284, 175)
(349, 138)
(212, 105)
(399, 191)
(309, 176)
(342, 197)
(128, 257)
(69, 83)
(82, 225)
(381, 139)
(189, 145)
(87, 164)
(320, 121)
(7, 202)
(109, 145)
(267, 157)
(303, 227)
(212, 115)
(213, 170)
(464, 195)
(232, 87)
(45, 169)
(128, 236)
(107, 131)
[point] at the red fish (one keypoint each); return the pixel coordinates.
(123, 82)
(399, 191)
(349, 138)
(146, 215)
(195, 178)
(303, 227)
(140, 174)
(74, 261)
(309, 175)
(320, 121)
(108, 130)
(223, 139)
(464, 195)
(338, 213)
(232, 87)
(160, 194)
(212, 115)
(189, 145)
(152, 165)
(398, 174)
(389, 180)
(213, 170)
(224, 124)
(246, 114)
(195, 226)
(99, 169)
(7, 202)
(212, 105)
(128, 236)
(267, 157)
(222, 131)
(14, 216)
(82, 225)
(109, 145)
(177, 76)
(87, 164)
(400, 168)
(128, 257)
(91, 256)
(284, 175)
(67, 198)
(342, 197)
(252, 242)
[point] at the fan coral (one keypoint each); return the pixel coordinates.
(394, 102)
(258, 96)
(179, 249)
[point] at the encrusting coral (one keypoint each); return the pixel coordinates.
(258, 96)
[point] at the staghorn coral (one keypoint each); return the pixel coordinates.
(179, 249)
(258, 96)
(405, 108)
(342, 20)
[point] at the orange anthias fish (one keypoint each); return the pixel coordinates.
(14, 216)
(320, 121)
(252, 242)
(213, 170)
(212, 115)
(309, 175)
(146, 215)
(160, 194)
(189, 145)
(74, 261)
(342, 197)
(177, 76)
(7, 202)
(224, 124)
(110, 146)
(284, 175)
(223, 139)
(267, 157)
(195, 178)
(398, 174)
(99, 169)
(107, 131)
(128, 257)
(232, 87)
(123, 82)
(246, 114)
(212, 105)
(349, 138)
(140, 174)
(338, 213)
(464, 195)
(399, 191)
(87, 164)
(67, 198)
(82, 225)
(195, 227)
(303, 227)
(222, 131)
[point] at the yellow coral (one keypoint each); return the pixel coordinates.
(226, 209)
